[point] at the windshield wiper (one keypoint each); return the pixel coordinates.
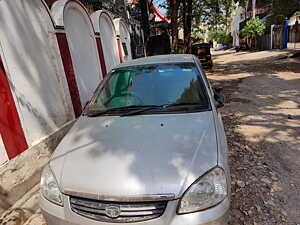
(161, 107)
(94, 113)
(182, 104)
(137, 109)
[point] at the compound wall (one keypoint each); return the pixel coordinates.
(50, 65)
(37, 96)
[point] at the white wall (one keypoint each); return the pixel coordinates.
(122, 31)
(33, 65)
(83, 48)
(103, 24)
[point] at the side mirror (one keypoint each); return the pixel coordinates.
(219, 98)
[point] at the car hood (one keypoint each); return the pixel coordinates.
(136, 155)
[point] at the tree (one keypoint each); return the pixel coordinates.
(221, 36)
(184, 13)
(145, 18)
(181, 14)
(187, 24)
(199, 34)
(215, 13)
(174, 5)
(254, 28)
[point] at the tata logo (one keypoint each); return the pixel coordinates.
(112, 211)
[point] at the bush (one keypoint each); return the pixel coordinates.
(220, 36)
(254, 28)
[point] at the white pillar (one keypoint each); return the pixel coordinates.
(271, 45)
(253, 8)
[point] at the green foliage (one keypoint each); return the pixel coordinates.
(198, 34)
(254, 27)
(220, 36)
(212, 12)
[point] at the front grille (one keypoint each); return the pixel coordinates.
(128, 211)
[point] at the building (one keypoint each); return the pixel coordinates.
(241, 15)
(294, 30)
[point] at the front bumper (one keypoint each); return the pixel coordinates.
(218, 215)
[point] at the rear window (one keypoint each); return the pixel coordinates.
(198, 50)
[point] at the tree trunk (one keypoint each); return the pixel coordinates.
(174, 5)
(187, 24)
(184, 20)
(145, 19)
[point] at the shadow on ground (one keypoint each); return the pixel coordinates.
(262, 122)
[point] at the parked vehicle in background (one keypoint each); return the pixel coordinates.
(220, 47)
(150, 149)
(159, 45)
(202, 51)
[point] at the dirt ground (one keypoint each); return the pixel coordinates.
(262, 122)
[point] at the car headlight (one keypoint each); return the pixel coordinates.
(206, 192)
(49, 187)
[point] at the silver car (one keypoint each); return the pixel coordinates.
(149, 149)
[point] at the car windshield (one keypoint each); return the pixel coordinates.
(151, 86)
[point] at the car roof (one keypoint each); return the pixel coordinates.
(202, 45)
(159, 59)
